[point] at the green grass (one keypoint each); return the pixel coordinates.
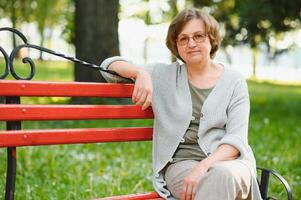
(96, 170)
(275, 129)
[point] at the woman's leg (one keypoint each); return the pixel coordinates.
(227, 180)
(174, 175)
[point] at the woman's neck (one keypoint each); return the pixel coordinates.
(199, 69)
(204, 76)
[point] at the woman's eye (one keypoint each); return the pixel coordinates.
(198, 36)
(183, 39)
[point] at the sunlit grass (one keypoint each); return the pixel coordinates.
(95, 170)
(277, 82)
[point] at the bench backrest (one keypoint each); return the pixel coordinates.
(13, 112)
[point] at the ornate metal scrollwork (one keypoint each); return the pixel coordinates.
(32, 65)
(4, 53)
(6, 70)
(10, 60)
(15, 31)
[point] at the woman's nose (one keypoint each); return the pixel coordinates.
(191, 43)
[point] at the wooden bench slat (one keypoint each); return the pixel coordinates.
(149, 196)
(14, 112)
(73, 136)
(65, 89)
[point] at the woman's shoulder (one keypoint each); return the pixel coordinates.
(165, 67)
(233, 75)
(236, 81)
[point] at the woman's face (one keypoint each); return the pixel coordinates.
(193, 43)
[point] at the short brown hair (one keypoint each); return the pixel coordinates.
(177, 24)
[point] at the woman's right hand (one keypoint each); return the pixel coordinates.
(143, 89)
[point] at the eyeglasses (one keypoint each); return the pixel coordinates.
(197, 37)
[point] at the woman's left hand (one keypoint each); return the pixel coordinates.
(191, 181)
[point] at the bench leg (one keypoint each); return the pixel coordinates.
(11, 154)
(264, 183)
(10, 173)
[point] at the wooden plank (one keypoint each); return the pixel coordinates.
(14, 112)
(149, 196)
(65, 89)
(73, 136)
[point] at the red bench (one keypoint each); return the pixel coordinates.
(13, 113)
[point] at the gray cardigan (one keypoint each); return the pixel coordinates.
(225, 116)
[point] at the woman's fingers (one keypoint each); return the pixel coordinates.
(189, 192)
(138, 92)
(142, 94)
(147, 102)
(193, 192)
(141, 98)
(183, 196)
(134, 95)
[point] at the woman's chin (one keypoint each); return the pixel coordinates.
(194, 60)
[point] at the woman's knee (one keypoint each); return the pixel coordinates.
(227, 180)
(218, 183)
(221, 172)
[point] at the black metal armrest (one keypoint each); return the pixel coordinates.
(264, 183)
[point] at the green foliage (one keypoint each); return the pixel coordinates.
(21, 9)
(96, 170)
(254, 22)
(69, 30)
(150, 11)
(48, 14)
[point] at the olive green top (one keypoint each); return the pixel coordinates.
(189, 149)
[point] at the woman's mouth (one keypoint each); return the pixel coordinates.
(193, 52)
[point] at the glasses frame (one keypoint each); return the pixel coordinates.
(184, 43)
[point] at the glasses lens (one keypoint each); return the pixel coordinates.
(199, 37)
(183, 40)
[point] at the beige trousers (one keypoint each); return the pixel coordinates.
(227, 180)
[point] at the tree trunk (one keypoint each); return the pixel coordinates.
(174, 11)
(42, 43)
(13, 19)
(96, 35)
(254, 65)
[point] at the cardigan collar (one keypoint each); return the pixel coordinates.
(213, 92)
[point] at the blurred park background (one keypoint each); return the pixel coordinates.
(262, 40)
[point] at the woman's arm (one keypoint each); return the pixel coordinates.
(125, 69)
(222, 153)
(142, 94)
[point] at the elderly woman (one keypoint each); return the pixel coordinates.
(201, 108)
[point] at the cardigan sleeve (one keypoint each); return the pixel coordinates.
(110, 78)
(238, 118)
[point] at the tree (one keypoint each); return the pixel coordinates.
(17, 11)
(96, 35)
(47, 14)
(152, 12)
